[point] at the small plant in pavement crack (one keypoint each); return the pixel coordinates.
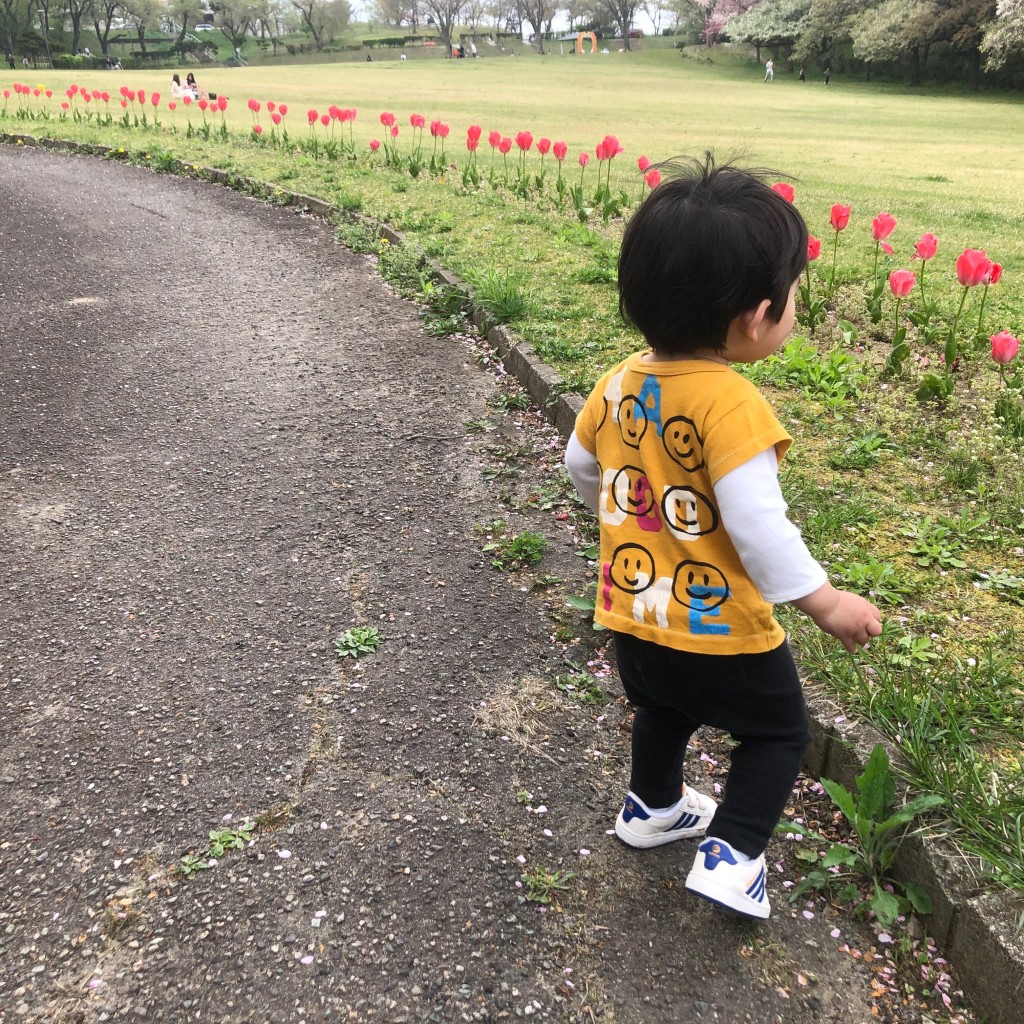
(357, 641)
(222, 840)
(541, 885)
(878, 829)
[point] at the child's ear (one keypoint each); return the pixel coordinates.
(751, 320)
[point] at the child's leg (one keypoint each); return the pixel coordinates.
(661, 732)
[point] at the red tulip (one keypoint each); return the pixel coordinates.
(155, 99)
(282, 108)
(643, 163)
(559, 149)
(839, 217)
(1004, 347)
(374, 145)
(142, 95)
(472, 143)
(123, 91)
(73, 89)
(887, 248)
(172, 106)
(785, 190)
(312, 116)
(105, 96)
(543, 146)
(203, 104)
(417, 120)
(271, 106)
(387, 119)
(882, 226)
(64, 103)
(325, 119)
(95, 94)
(524, 140)
(443, 130)
(505, 145)
(254, 106)
(901, 283)
(130, 95)
(926, 246)
(584, 159)
(87, 98)
(394, 131)
(70, 92)
(49, 94)
(813, 248)
(995, 273)
(124, 103)
(276, 117)
(187, 99)
(257, 129)
(653, 178)
(600, 151)
(971, 267)
(473, 132)
(494, 138)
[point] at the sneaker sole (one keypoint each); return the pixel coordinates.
(641, 842)
(728, 899)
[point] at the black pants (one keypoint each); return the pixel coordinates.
(757, 698)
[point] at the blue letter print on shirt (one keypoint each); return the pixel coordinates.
(702, 608)
(650, 399)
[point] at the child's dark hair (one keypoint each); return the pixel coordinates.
(708, 244)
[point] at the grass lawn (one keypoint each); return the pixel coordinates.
(918, 503)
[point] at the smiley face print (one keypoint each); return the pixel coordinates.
(683, 443)
(688, 513)
(633, 492)
(632, 568)
(699, 586)
(632, 420)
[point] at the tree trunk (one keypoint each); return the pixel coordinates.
(757, 52)
(141, 30)
(76, 29)
(915, 65)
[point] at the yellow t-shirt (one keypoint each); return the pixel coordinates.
(663, 434)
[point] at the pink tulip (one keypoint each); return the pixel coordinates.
(257, 129)
(473, 132)
(172, 106)
(926, 246)
(559, 150)
(271, 106)
(813, 248)
(387, 119)
(276, 117)
(785, 190)
(653, 178)
(312, 116)
(374, 144)
(325, 119)
(584, 159)
(1004, 347)
(887, 248)
(882, 226)
(155, 99)
(505, 145)
(971, 267)
(494, 138)
(543, 146)
(417, 120)
(901, 283)
(995, 273)
(524, 140)
(642, 163)
(254, 106)
(282, 108)
(394, 131)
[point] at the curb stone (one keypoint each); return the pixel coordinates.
(979, 932)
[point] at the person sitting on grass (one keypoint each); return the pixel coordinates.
(176, 89)
(191, 86)
(678, 455)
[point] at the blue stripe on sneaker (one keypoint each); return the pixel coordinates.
(685, 821)
(757, 887)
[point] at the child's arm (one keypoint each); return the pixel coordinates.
(584, 472)
(777, 560)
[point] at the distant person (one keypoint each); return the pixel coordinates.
(176, 89)
(802, 76)
(404, 57)
(25, 61)
(369, 59)
(690, 570)
(828, 75)
(769, 70)
(191, 87)
(472, 49)
(9, 57)
(86, 52)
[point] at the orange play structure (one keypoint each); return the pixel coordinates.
(592, 36)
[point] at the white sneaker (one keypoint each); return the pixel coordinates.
(720, 877)
(689, 818)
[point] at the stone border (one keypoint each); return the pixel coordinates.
(978, 931)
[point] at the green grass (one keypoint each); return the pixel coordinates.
(920, 504)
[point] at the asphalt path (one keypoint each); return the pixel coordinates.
(223, 440)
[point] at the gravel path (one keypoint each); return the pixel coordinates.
(223, 441)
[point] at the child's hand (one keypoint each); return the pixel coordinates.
(846, 616)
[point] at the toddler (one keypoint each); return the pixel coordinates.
(678, 455)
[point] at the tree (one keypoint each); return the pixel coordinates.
(11, 21)
(446, 14)
(774, 23)
(184, 13)
(235, 19)
(76, 10)
(827, 26)
(104, 13)
(535, 13)
(312, 14)
(622, 12)
(655, 11)
(397, 12)
(1004, 37)
(143, 14)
